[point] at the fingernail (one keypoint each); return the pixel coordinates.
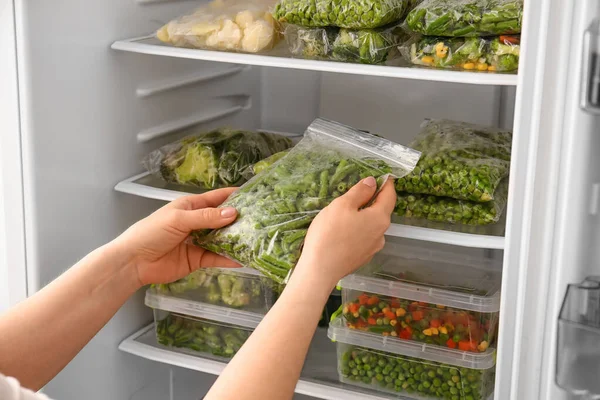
(370, 181)
(228, 212)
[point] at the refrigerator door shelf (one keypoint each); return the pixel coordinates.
(280, 58)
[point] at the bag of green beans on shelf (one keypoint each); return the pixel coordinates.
(276, 207)
(356, 14)
(446, 209)
(459, 160)
(462, 18)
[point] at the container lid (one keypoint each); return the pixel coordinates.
(339, 332)
(198, 309)
(437, 277)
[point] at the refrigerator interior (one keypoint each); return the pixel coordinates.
(88, 114)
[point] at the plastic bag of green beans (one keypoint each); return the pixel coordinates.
(277, 206)
(461, 18)
(459, 160)
(493, 54)
(446, 209)
(355, 14)
(366, 46)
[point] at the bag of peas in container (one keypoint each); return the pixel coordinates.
(435, 297)
(276, 207)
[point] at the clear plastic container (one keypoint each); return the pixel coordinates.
(199, 336)
(411, 370)
(238, 288)
(432, 297)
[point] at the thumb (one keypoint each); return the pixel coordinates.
(209, 218)
(360, 194)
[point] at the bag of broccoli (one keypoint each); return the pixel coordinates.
(498, 54)
(353, 14)
(458, 160)
(446, 209)
(276, 207)
(461, 18)
(213, 159)
(366, 46)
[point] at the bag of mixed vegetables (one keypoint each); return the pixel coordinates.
(213, 159)
(276, 207)
(225, 25)
(500, 54)
(460, 18)
(446, 209)
(354, 14)
(366, 46)
(459, 160)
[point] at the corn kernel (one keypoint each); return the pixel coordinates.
(443, 330)
(356, 315)
(394, 333)
(491, 68)
(386, 334)
(483, 346)
(482, 67)
(469, 65)
(345, 310)
(435, 331)
(393, 322)
(427, 59)
(440, 306)
(427, 332)
(400, 312)
(385, 309)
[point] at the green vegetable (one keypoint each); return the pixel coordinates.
(200, 335)
(223, 288)
(277, 206)
(445, 209)
(354, 14)
(266, 163)
(414, 377)
(213, 159)
(460, 18)
(459, 160)
(500, 54)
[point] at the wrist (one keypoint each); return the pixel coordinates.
(124, 263)
(316, 278)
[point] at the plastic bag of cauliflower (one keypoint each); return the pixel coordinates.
(225, 25)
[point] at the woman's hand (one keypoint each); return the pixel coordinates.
(344, 236)
(157, 244)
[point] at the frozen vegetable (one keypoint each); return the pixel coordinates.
(226, 288)
(428, 323)
(213, 159)
(446, 209)
(366, 46)
(459, 160)
(267, 162)
(201, 336)
(460, 18)
(224, 25)
(355, 14)
(277, 206)
(413, 376)
(499, 54)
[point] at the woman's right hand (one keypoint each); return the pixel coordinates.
(345, 236)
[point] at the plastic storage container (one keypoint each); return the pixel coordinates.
(239, 288)
(410, 370)
(433, 297)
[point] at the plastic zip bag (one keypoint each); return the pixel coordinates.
(213, 159)
(459, 160)
(277, 206)
(445, 209)
(460, 18)
(354, 14)
(224, 25)
(366, 46)
(260, 166)
(500, 54)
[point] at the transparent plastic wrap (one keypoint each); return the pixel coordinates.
(353, 14)
(366, 46)
(260, 166)
(213, 159)
(411, 377)
(225, 25)
(446, 209)
(463, 18)
(494, 54)
(239, 288)
(198, 336)
(277, 206)
(459, 160)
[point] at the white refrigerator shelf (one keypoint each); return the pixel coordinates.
(279, 57)
(319, 376)
(485, 237)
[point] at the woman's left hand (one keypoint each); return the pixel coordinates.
(157, 246)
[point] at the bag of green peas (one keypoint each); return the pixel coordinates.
(459, 160)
